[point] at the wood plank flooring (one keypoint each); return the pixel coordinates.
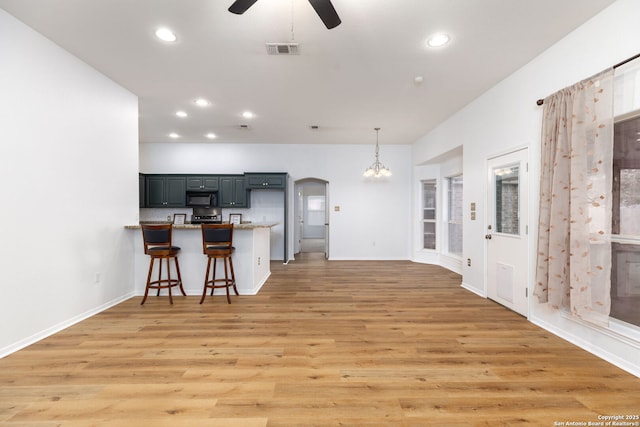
(336, 343)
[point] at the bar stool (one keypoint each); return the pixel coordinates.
(157, 244)
(217, 243)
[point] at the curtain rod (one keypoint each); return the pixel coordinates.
(541, 101)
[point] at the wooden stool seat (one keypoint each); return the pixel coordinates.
(157, 244)
(217, 243)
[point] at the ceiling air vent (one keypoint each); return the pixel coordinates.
(282, 48)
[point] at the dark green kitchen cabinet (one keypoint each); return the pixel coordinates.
(265, 181)
(141, 191)
(165, 191)
(202, 182)
(233, 192)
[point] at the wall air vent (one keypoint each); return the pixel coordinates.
(282, 49)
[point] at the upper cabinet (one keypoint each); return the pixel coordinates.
(169, 191)
(202, 182)
(261, 181)
(233, 192)
(165, 191)
(141, 191)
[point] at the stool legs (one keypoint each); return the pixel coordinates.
(161, 283)
(233, 277)
(210, 280)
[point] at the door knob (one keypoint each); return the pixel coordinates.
(487, 236)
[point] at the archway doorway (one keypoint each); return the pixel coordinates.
(311, 210)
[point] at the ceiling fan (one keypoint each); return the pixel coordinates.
(323, 8)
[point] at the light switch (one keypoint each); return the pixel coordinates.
(336, 208)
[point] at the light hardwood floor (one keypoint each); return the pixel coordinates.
(324, 344)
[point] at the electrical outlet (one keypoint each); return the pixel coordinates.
(468, 262)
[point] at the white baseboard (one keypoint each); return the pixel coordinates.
(587, 346)
(12, 348)
(476, 291)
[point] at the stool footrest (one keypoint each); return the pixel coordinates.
(169, 283)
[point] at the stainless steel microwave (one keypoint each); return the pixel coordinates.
(202, 199)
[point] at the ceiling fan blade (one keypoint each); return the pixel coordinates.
(326, 12)
(240, 6)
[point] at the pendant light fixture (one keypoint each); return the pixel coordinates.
(377, 169)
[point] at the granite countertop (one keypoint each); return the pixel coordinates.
(188, 226)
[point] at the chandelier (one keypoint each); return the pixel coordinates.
(377, 169)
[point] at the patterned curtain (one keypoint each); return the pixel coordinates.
(574, 236)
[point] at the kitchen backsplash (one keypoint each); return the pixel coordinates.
(164, 214)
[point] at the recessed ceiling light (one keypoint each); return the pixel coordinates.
(165, 34)
(211, 135)
(174, 135)
(248, 115)
(438, 40)
(201, 102)
(181, 114)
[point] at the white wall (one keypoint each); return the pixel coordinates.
(507, 117)
(68, 174)
(374, 217)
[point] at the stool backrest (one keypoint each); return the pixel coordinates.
(217, 237)
(156, 235)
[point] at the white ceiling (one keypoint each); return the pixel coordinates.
(347, 80)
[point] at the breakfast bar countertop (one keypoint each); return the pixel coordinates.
(188, 226)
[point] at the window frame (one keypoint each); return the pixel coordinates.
(434, 220)
(449, 221)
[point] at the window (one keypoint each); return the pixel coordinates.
(429, 214)
(315, 210)
(507, 200)
(625, 257)
(625, 246)
(454, 215)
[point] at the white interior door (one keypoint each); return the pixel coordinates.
(507, 235)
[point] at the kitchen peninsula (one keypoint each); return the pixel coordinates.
(251, 258)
